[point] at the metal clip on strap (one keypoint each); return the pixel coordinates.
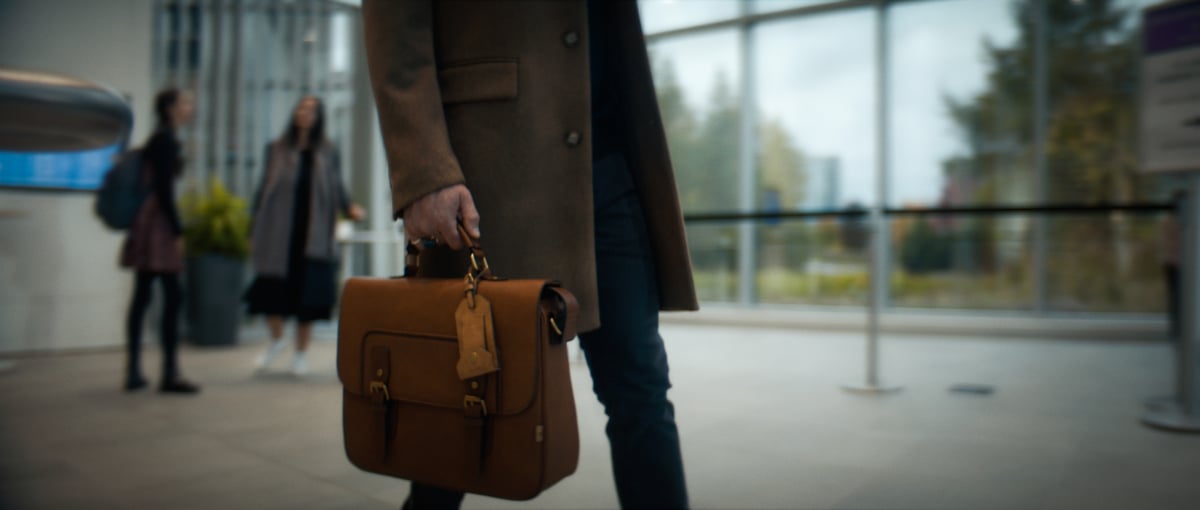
(471, 402)
(379, 388)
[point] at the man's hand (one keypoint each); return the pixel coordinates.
(436, 215)
(357, 213)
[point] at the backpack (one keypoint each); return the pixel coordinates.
(122, 192)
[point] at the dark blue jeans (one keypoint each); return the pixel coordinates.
(626, 356)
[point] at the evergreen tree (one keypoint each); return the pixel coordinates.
(1090, 127)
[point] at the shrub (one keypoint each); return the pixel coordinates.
(215, 223)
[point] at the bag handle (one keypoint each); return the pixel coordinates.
(479, 269)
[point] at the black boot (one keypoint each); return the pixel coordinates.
(178, 385)
(134, 383)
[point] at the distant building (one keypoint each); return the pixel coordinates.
(823, 183)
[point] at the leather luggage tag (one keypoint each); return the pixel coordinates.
(476, 339)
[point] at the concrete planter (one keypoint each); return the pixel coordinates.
(214, 299)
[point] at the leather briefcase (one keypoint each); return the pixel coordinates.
(462, 384)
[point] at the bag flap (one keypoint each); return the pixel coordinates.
(414, 319)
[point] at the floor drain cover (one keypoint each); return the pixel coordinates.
(973, 389)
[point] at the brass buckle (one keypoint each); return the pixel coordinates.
(379, 386)
(470, 400)
(555, 326)
(475, 263)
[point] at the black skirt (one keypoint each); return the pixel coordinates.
(308, 292)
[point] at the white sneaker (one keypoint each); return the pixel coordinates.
(300, 364)
(273, 350)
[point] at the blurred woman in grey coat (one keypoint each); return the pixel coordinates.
(292, 238)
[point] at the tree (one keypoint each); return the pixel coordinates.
(781, 167)
(924, 249)
(1091, 82)
(704, 153)
(1090, 128)
(716, 150)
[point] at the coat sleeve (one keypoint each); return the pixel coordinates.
(399, 41)
(262, 186)
(262, 182)
(343, 197)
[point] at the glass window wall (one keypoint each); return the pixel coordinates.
(814, 152)
(989, 103)
(698, 84)
(961, 134)
(766, 6)
(662, 15)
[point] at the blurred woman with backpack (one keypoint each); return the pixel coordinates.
(154, 245)
(292, 237)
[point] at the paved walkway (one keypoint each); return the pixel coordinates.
(762, 420)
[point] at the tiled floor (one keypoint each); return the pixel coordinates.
(763, 423)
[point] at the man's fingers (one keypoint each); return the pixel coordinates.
(469, 215)
(448, 232)
(410, 228)
(437, 214)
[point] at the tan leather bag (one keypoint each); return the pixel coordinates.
(462, 384)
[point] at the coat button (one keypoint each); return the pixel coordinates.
(573, 138)
(571, 39)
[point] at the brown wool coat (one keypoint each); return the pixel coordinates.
(495, 94)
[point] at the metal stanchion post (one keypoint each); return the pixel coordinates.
(1174, 335)
(878, 291)
(1186, 416)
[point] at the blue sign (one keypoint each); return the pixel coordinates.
(82, 170)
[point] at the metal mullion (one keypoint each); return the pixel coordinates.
(294, 79)
(199, 83)
(191, 34)
(220, 101)
(325, 44)
(176, 76)
(198, 21)
(751, 19)
(182, 38)
(254, 94)
(1040, 117)
(747, 261)
(274, 81)
(234, 126)
(309, 47)
(159, 45)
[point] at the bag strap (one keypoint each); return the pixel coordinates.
(479, 265)
(562, 312)
(475, 413)
(379, 371)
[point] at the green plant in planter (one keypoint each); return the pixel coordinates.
(215, 228)
(215, 223)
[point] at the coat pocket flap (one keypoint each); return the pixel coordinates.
(493, 80)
